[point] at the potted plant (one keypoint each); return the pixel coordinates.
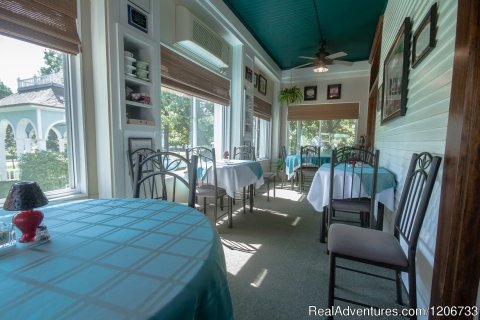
(290, 95)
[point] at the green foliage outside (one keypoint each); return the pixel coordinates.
(330, 133)
(4, 90)
(49, 169)
(52, 141)
(5, 187)
(54, 61)
(10, 145)
(177, 120)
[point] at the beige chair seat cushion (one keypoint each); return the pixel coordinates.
(268, 175)
(208, 191)
(366, 244)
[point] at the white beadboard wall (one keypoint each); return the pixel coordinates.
(424, 126)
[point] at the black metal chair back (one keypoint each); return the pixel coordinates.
(132, 157)
(162, 171)
(309, 157)
(415, 197)
(206, 162)
(358, 179)
(244, 153)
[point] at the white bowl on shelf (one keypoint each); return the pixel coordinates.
(129, 61)
(130, 70)
(128, 54)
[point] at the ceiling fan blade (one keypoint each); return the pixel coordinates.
(303, 65)
(345, 63)
(336, 55)
(311, 58)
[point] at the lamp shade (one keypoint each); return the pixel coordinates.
(24, 195)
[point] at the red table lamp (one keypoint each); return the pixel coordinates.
(26, 196)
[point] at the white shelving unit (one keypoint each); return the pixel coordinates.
(133, 118)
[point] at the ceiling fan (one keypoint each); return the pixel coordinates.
(323, 58)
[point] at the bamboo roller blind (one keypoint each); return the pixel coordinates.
(49, 23)
(262, 109)
(325, 111)
(179, 73)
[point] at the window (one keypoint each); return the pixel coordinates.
(35, 117)
(261, 137)
(188, 121)
(328, 134)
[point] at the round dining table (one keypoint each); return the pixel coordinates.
(117, 259)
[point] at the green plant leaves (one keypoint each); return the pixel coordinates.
(291, 95)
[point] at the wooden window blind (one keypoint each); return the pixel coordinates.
(330, 111)
(262, 109)
(49, 23)
(179, 73)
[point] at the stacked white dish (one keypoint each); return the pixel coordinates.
(129, 60)
(142, 70)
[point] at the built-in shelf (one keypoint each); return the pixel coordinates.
(138, 81)
(138, 104)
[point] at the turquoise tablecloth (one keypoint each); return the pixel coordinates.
(117, 259)
(385, 179)
(292, 162)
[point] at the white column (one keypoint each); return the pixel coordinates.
(3, 158)
(28, 145)
(20, 146)
(61, 144)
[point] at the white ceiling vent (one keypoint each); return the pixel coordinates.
(195, 37)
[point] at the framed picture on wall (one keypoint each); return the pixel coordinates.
(248, 74)
(310, 93)
(395, 75)
(424, 38)
(137, 143)
(334, 91)
(262, 84)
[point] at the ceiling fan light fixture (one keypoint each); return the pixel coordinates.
(320, 68)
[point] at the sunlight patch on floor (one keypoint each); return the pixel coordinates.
(237, 259)
(259, 279)
(296, 221)
(287, 194)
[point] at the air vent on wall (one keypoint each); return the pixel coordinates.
(196, 38)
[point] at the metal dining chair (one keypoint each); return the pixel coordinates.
(357, 183)
(132, 157)
(161, 175)
(244, 152)
(207, 186)
(309, 164)
(383, 249)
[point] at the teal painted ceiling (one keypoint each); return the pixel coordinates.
(287, 29)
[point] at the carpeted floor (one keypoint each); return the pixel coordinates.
(278, 269)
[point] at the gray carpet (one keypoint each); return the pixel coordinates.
(278, 269)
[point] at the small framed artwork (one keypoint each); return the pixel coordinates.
(138, 143)
(334, 91)
(248, 74)
(380, 98)
(255, 79)
(310, 93)
(262, 84)
(395, 75)
(424, 38)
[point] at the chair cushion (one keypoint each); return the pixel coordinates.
(366, 244)
(268, 175)
(208, 191)
(351, 205)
